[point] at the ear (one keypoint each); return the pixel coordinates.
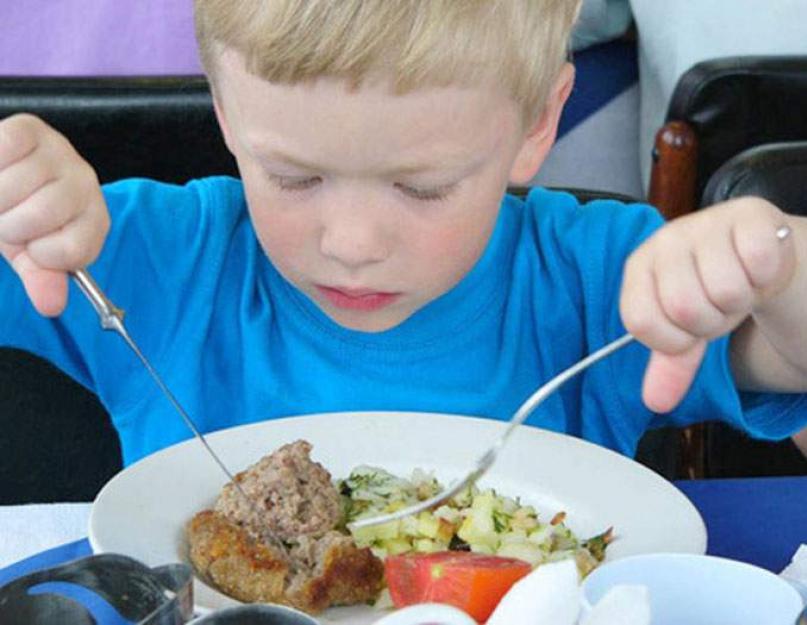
(541, 136)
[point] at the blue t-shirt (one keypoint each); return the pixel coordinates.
(237, 343)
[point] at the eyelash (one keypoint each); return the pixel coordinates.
(292, 184)
(426, 195)
(289, 183)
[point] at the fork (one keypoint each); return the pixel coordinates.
(533, 401)
(489, 457)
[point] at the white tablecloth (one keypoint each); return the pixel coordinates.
(26, 530)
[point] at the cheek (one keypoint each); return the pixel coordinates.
(281, 233)
(466, 232)
(454, 250)
(278, 240)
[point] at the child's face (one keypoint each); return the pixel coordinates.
(372, 204)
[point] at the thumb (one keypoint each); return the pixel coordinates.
(669, 376)
(46, 288)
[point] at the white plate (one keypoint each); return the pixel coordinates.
(141, 512)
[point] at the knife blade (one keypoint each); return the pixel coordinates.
(111, 318)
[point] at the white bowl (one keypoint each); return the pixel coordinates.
(699, 590)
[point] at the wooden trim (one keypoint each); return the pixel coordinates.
(674, 171)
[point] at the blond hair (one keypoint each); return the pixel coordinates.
(516, 45)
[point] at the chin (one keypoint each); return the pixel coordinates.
(367, 323)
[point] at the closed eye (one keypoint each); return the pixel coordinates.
(429, 194)
(295, 183)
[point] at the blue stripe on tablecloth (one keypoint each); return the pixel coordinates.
(603, 72)
(51, 557)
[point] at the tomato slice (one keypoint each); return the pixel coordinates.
(473, 582)
(402, 580)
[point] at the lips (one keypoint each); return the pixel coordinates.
(357, 299)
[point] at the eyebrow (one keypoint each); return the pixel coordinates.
(287, 159)
(407, 170)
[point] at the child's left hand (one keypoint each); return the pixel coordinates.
(697, 278)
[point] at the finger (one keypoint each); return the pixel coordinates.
(43, 212)
(725, 282)
(767, 260)
(46, 288)
(19, 136)
(669, 376)
(75, 245)
(22, 179)
(641, 309)
(683, 298)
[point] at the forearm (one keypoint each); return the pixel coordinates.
(769, 350)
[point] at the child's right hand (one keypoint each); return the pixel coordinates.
(53, 218)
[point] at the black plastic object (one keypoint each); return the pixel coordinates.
(129, 590)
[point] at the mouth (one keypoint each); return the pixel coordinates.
(357, 299)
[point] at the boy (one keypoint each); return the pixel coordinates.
(369, 261)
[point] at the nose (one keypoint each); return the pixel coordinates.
(354, 236)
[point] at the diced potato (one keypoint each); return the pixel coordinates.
(478, 528)
(426, 545)
(373, 533)
(427, 525)
(397, 546)
(514, 536)
(542, 535)
(524, 518)
(445, 531)
(480, 548)
(447, 513)
(508, 505)
(523, 551)
(410, 526)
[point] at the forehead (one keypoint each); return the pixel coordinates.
(330, 118)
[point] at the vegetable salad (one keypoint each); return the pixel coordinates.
(481, 521)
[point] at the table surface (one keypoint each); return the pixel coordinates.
(761, 521)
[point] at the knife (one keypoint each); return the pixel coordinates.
(111, 318)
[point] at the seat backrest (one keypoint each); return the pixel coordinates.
(774, 171)
(157, 127)
(718, 109)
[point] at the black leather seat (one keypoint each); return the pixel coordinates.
(776, 172)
